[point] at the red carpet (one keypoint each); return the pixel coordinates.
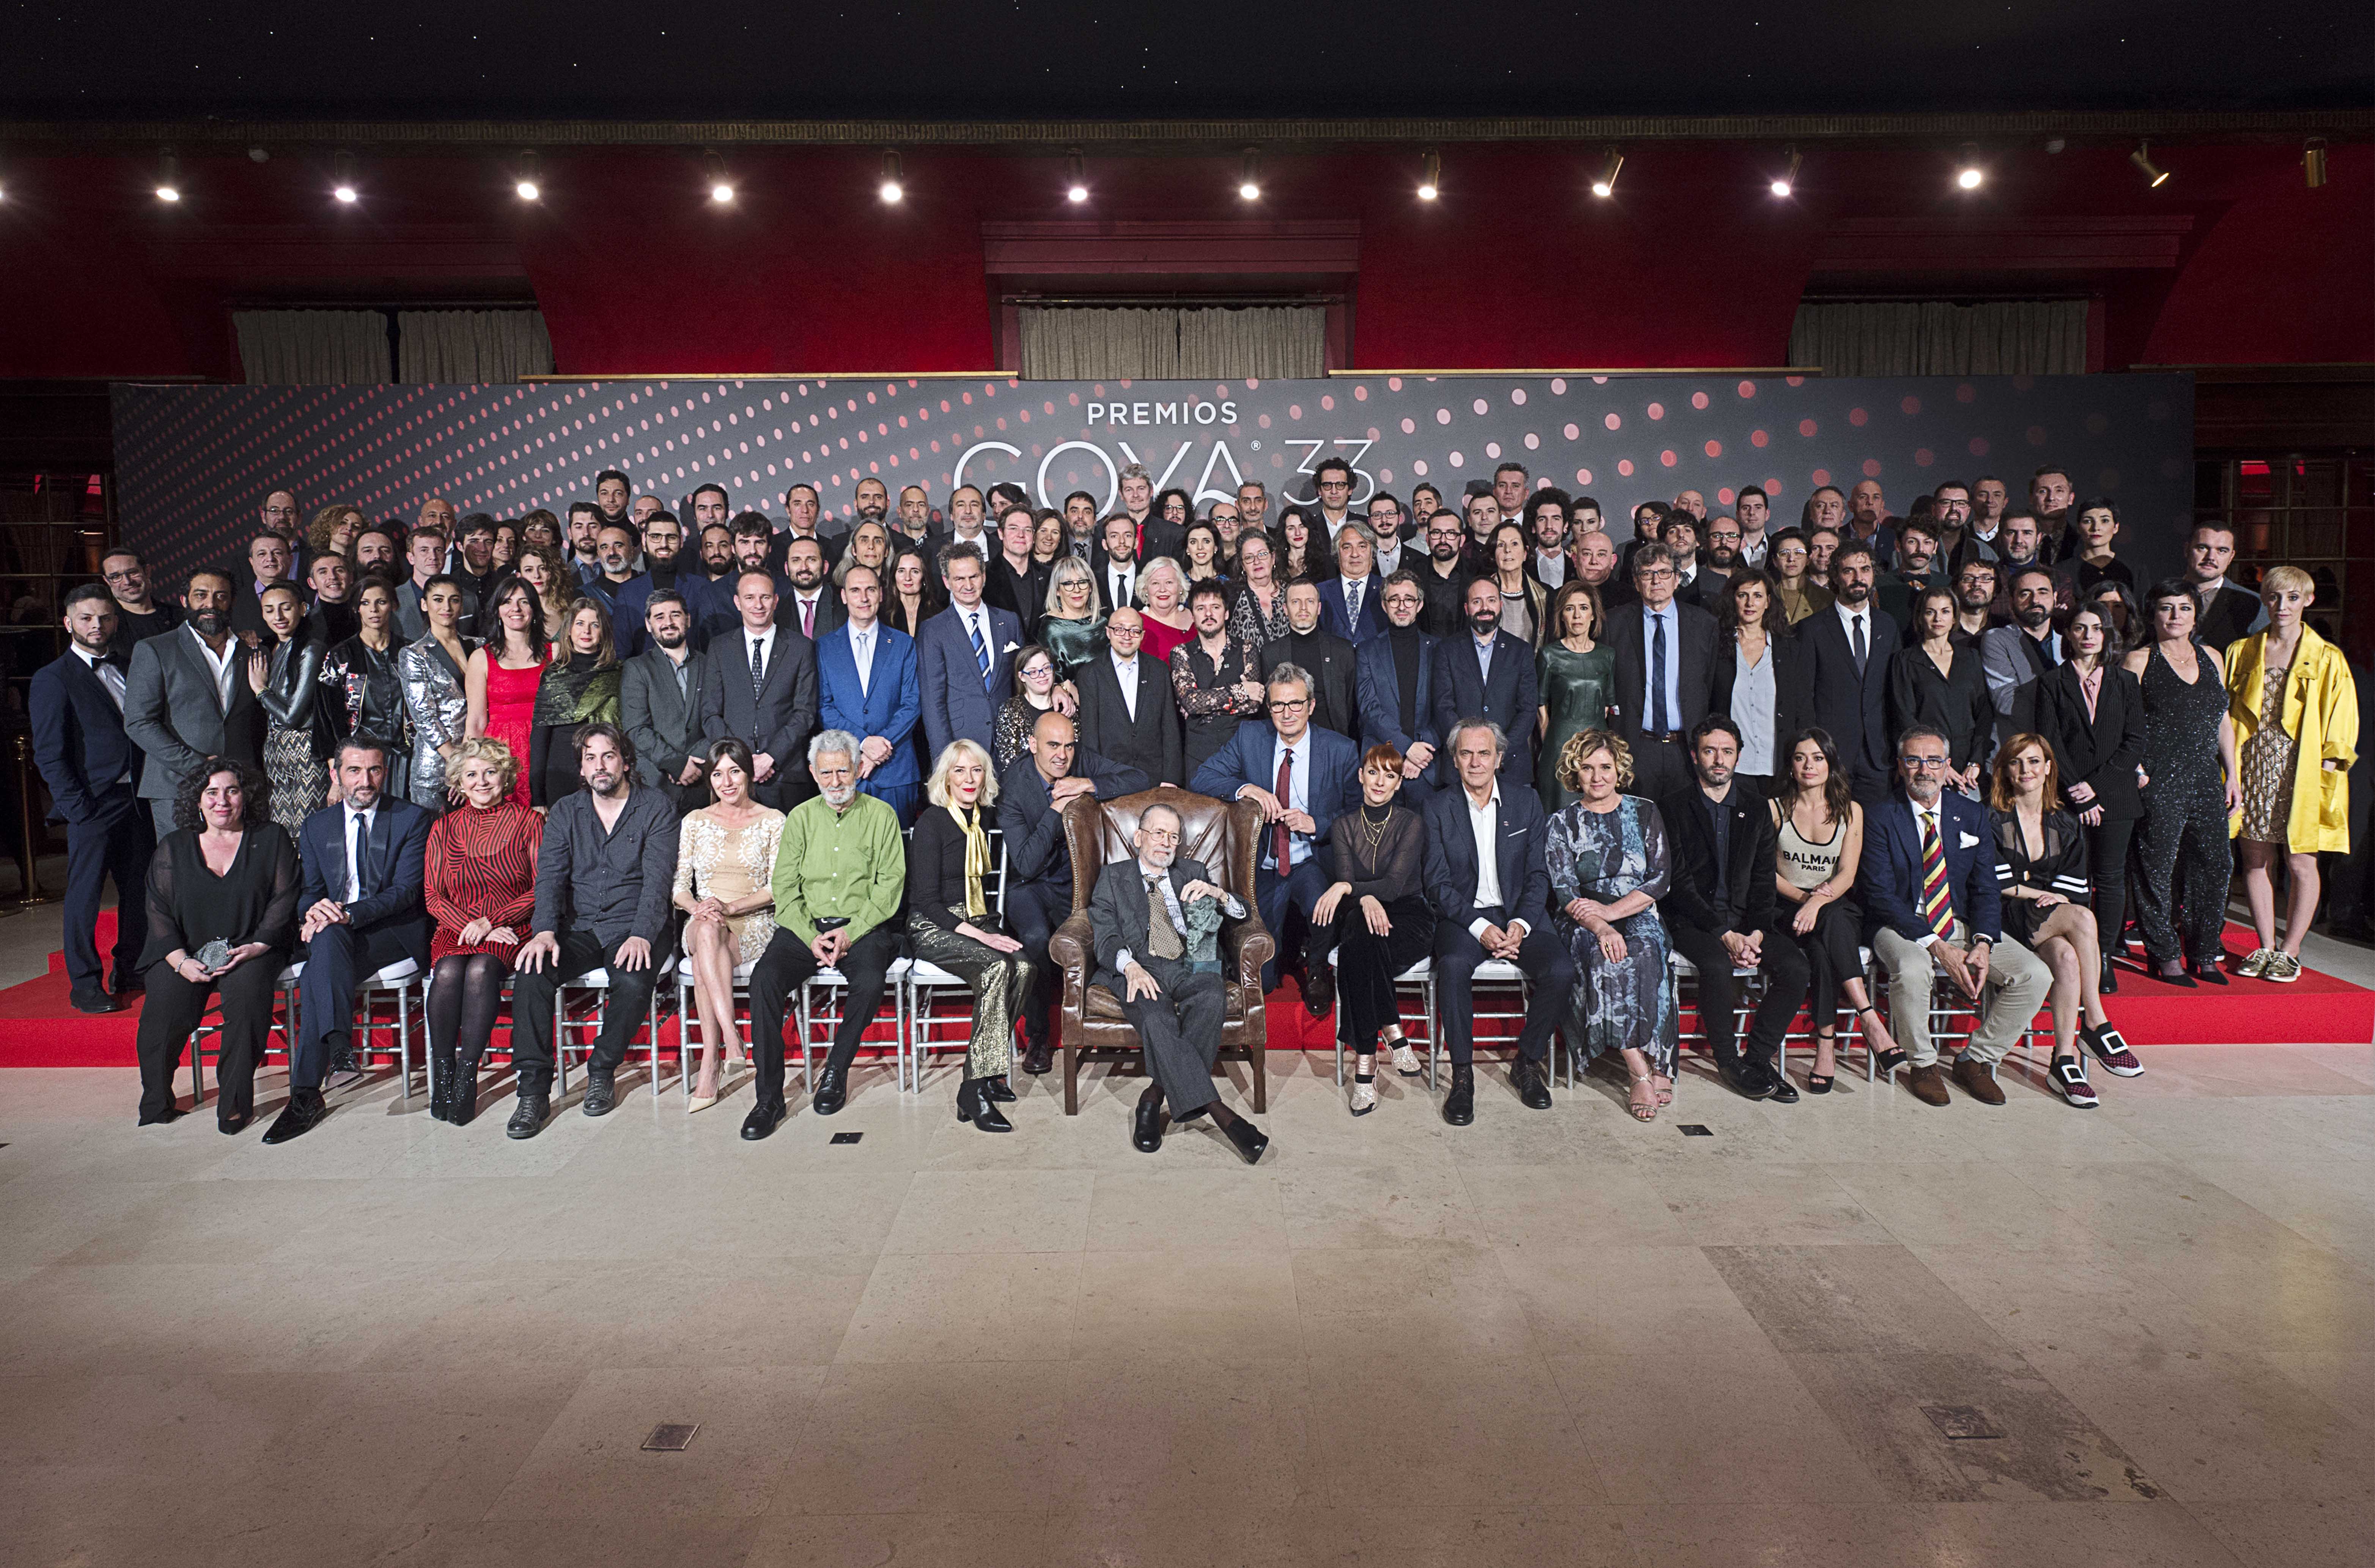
(37, 1029)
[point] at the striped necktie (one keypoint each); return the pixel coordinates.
(980, 648)
(1936, 907)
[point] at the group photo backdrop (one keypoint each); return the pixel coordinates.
(194, 463)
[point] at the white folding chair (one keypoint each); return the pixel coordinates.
(588, 1025)
(688, 1016)
(927, 983)
(400, 986)
(1417, 982)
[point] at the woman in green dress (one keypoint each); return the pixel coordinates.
(1577, 677)
(1074, 632)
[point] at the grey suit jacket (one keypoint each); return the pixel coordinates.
(665, 727)
(173, 711)
(780, 719)
(1117, 914)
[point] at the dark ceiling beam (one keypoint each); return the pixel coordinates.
(1189, 136)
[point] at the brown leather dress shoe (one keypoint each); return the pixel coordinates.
(1977, 1081)
(1928, 1085)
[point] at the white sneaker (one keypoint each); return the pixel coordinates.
(1365, 1098)
(1406, 1060)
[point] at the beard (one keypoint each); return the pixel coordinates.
(209, 622)
(607, 785)
(1483, 625)
(672, 638)
(839, 799)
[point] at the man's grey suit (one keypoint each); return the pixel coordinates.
(1179, 1027)
(174, 713)
(666, 725)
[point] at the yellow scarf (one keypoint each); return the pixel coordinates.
(977, 861)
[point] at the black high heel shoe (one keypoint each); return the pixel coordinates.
(1820, 1083)
(2208, 973)
(997, 1089)
(974, 1106)
(2173, 973)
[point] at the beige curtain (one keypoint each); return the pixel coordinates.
(1879, 338)
(1164, 343)
(471, 348)
(312, 348)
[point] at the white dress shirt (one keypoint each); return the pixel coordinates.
(861, 651)
(1126, 672)
(223, 665)
(109, 676)
(1484, 821)
(1298, 793)
(805, 606)
(1121, 582)
(1848, 617)
(346, 826)
(1550, 567)
(766, 642)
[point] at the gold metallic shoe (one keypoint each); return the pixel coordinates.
(2283, 968)
(2256, 966)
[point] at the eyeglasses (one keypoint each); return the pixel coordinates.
(1335, 484)
(1923, 764)
(1112, 631)
(1160, 835)
(1297, 705)
(120, 576)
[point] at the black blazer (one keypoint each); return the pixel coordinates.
(1035, 847)
(1523, 866)
(1693, 675)
(1025, 592)
(1749, 898)
(1509, 699)
(1788, 659)
(88, 762)
(1957, 703)
(1148, 744)
(2104, 751)
(1853, 709)
(1335, 671)
(2229, 616)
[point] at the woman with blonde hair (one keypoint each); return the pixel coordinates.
(2295, 710)
(724, 870)
(1073, 632)
(580, 687)
(1609, 867)
(2041, 873)
(1163, 586)
(949, 884)
(480, 887)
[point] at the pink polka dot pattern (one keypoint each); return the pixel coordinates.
(193, 462)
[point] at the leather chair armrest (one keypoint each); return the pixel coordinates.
(1248, 945)
(1070, 948)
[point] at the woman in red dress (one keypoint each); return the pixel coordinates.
(480, 889)
(505, 673)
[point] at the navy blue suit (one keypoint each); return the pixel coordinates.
(1333, 618)
(957, 701)
(92, 769)
(1509, 699)
(1381, 706)
(1889, 881)
(1334, 788)
(887, 705)
(1521, 836)
(388, 923)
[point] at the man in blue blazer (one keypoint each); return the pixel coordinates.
(866, 681)
(964, 656)
(363, 863)
(1493, 906)
(92, 769)
(1303, 777)
(1395, 675)
(1927, 882)
(1487, 673)
(1350, 602)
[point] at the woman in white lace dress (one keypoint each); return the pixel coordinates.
(724, 871)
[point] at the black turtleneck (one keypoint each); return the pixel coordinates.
(1404, 640)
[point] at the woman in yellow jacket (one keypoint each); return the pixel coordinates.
(2294, 705)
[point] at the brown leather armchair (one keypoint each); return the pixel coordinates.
(1220, 833)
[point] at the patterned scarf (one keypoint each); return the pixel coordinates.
(977, 860)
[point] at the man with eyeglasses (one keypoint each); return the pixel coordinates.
(1331, 481)
(1386, 525)
(1975, 599)
(1931, 907)
(1443, 577)
(1397, 689)
(136, 615)
(1127, 711)
(1665, 674)
(1303, 777)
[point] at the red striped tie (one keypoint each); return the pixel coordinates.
(1936, 907)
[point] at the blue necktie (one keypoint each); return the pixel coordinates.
(980, 649)
(1658, 674)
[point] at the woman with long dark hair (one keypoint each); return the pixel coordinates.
(1302, 548)
(1576, 672)
(2092, 713)
(581, 689)
(436, 696)
(1525, 603)
(1201, 554)
(1790, 559)
(916, 595)
(222, 916)
(1760, 675)
(300, 734)
(725, 860)
(365, 689)
(1820, 845)
(1936, 682)
(503, 677)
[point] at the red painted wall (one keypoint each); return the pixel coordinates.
(1692, 264)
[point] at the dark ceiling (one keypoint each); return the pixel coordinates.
(1042, 59)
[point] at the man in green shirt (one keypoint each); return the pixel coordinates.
(840, 867)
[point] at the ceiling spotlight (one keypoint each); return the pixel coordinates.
(2155, 175)
(1789, 180)
(343, 177)
(1969, 174)
(892, 190)
(258, 154)
(1249, 176)
(721, 189)
(168, 178)
(1430, 175)
(1076, 183)
(526, 185)
(2313, 162)
(1606, 184)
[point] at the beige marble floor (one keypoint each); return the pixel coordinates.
(1550, 1337)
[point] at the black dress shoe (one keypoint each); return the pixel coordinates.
(831, 1091)
(1533, 1082)
(997, 1089)
(234, 1123)
(763, 1119)
(1146, 1124)
(93, 1002)
(2208, 973)
(1319, 991)
(975, 1104)
(171, 1113)
(1784, 1092)
(305, 1111)
(1459, 1104)
(1250, 1139)
(129, 983)
(2110, 981)
(601, 1091)
(1039, 1059)
(1749, 1079)
(527, 1118)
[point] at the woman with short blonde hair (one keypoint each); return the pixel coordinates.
(951, 882)
(480, 887)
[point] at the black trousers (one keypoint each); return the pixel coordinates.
(171, 1013)
(1830, 953)
(1543, 958)
(1034, 910)
(2184, 865)
(1787, 974)
(1180, 1031)
(336, 963)
(2107, 865)
(784, 967)
(1661, 766)
(95, 852)
(1367, 965)
(535, 998)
